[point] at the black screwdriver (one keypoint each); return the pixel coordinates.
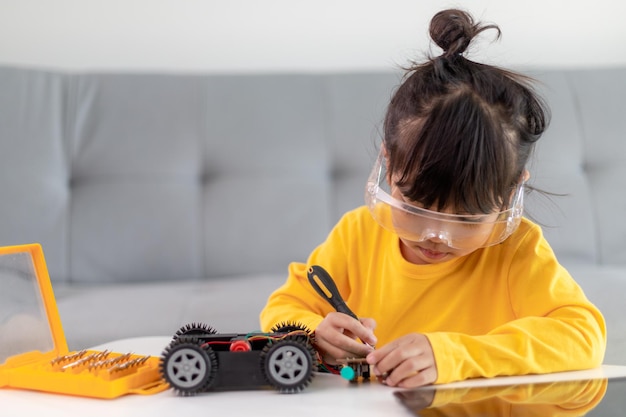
(329, 291)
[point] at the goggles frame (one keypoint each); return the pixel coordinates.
(455, 230)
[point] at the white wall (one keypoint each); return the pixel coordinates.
(297, 35)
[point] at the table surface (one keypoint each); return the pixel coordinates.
(327, 395)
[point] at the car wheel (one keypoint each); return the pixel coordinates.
(188, 366)
(288, 364)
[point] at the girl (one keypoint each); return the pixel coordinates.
(440, 262)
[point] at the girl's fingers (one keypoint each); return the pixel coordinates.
(407, 362)
(413, 371)
(337, 336)
(418, 379)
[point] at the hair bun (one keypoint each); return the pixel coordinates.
(453, 30)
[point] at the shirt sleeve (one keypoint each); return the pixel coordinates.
(556, 328)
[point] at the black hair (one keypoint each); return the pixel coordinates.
(459, 133)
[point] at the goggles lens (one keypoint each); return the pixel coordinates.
(417, 224)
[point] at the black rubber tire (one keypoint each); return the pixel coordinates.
(188, 366)
(288, 364)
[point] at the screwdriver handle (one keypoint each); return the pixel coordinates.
(330, 292)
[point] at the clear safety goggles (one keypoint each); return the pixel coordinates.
(416, 224)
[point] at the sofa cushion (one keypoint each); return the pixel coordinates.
(34, 160)
(600, 97)
(581, 159)
(266, 169)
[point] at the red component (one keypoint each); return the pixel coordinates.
(240, 346)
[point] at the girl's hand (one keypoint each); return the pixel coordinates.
(406, 362)
(337, 337)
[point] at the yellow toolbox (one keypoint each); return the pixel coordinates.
(33, 351)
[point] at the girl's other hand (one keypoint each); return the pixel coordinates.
(337, 337)
(406, 362)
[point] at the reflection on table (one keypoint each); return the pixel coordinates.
(548, 399)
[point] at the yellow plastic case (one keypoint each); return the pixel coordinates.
(33, 350)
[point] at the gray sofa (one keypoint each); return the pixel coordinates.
(161, 199)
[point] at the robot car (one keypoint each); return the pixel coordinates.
(198, 359)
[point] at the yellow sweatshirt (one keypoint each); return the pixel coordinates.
(509, 309)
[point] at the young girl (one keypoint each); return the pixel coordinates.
(448, 279)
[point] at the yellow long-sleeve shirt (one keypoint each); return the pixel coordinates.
(509, 309)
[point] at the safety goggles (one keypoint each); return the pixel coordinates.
(416, 224)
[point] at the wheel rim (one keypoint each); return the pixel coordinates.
(288, 365)
(186, 368)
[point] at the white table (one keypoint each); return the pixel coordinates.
(328, 395)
